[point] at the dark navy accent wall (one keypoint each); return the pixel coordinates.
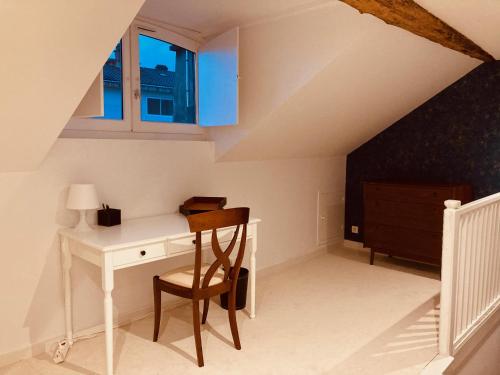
(452, 138)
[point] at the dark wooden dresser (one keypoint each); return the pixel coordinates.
(406, 220)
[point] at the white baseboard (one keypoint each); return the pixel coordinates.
(47, 346)
(474, 343)
(353, 244)
(20, 354)
(323, 249)
(450, 365)
(438, 365)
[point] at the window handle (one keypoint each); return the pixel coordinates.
(137, 94)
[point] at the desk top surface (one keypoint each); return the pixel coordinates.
(134, 232)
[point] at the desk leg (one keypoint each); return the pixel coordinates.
(107, 287)
(66, 263)
(252, 273)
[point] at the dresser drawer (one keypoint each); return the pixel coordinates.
(138, 255)
(403, 240)
(430, 195)
(187, 244)
(405, 214)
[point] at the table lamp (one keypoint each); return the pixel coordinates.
(82, 197)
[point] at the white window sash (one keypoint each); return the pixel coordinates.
(138, 125)
(124, 125)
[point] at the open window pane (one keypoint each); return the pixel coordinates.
(218, 80)
(167, 76)
(113, 85)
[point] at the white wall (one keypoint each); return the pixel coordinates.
(142, 178)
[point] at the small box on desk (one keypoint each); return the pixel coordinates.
(109, 216)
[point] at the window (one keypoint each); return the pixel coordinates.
(163, 81)
(116, 94)
(113, 85)
(154, 106)
(160, 107)
(158, 81)
(167, 77)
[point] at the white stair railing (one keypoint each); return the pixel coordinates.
(470, 273)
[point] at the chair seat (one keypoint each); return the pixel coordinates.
(184, 276)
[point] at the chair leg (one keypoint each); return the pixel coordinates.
(232, 318)
(206, 302)
(197, 333)
(157, 307)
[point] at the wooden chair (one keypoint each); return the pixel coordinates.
(207, 280)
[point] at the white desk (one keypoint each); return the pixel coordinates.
(135, 242)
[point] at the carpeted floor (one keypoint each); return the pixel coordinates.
(331, 314)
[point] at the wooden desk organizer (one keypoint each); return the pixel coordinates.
(198, 205)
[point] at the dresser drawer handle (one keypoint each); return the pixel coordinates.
(194, 242)
(143, 252)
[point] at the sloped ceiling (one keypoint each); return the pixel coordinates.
(323, 82)
(52, 51)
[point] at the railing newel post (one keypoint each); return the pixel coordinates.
(446, 320)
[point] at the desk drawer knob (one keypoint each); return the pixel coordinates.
(143, 252)
(194, 242)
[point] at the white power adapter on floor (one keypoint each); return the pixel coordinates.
(61, 351)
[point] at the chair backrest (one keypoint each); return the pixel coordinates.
(214, 220)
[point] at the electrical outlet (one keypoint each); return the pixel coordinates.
(354, 229)
(61, 351)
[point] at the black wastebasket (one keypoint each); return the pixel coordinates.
(241, 291)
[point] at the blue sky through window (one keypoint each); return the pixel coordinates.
(167, 90)
(153, 52)
(159, 80)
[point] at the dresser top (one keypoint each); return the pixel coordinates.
(134, 232)
(415, 184)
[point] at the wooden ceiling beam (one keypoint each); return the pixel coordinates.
(408, 15)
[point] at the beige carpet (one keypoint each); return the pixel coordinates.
(332, 314)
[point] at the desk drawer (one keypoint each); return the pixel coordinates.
(186, 244)
(141, 254)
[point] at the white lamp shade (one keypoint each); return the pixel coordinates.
(82, 197)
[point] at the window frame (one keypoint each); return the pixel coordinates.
(139, 126)
(123, 125)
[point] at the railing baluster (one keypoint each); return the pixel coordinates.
(495, 252)
(460, 279)
(467, 274)
(482, 254)
(485, 287)
(488, 279)
(474, 250)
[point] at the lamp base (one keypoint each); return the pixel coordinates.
(82, 225)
